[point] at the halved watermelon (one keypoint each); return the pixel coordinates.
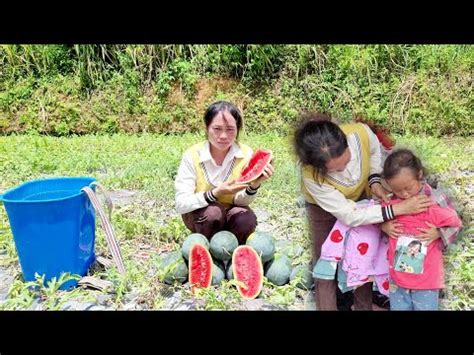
(200, 267)
(248, 271)
(256, 165)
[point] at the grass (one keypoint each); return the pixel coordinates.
(147, 222)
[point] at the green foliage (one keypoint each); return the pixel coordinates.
(21, 295)
(64, 89)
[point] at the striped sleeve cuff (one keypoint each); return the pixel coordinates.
(387, 213)
(209, 197)
(251, 191)
(374, 178)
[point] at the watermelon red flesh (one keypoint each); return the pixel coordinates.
(200, 267)
(248, 271)
(256, 165)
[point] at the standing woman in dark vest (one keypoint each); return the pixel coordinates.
(207, 196)
(339, 166)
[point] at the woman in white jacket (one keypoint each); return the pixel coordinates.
(207, 196)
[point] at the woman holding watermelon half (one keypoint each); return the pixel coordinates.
(339, 166)
(212, 194)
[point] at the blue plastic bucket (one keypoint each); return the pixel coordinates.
(53, 226)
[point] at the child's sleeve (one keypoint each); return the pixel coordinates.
(449, 233)
(448, 222)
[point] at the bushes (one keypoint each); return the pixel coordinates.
(59, 89)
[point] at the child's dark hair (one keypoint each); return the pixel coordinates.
(318, 140)
(222, 106)
(402, 158)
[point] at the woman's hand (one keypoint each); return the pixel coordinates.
(380, 192)
(392, 228)
(429, 234)
(267, 173)
(413, 205)
(228, 187)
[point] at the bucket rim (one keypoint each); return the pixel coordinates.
(29, 182)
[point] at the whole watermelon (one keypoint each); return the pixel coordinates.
(173, 267)
(223, 245)
(194, 238)
(278, 270)
(263, 243)
(229, 274)
(218, 272)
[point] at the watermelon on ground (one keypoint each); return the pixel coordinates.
(223, 245)
(194, 238)
(248, 271)
(173, 267)
(229, 274)
(263, 243)
(200, 267)
(218, 273)
(278, 270)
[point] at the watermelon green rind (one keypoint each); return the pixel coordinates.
(279, 270)
(256, 165)
(200, 267)
(223, 245)
(248, 270)
(192, 239)
(229, 274)
(263, 243)
(218, 273)
(172, 268)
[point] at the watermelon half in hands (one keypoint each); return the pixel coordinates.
(248, 271)
(256, 166)
(200, 267)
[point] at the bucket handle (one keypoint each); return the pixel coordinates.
(106, 225)
(108, 200)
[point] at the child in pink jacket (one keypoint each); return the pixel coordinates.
(416, 263)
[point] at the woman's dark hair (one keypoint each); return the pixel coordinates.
(399, 159)
(318, 140)
(222, 106)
